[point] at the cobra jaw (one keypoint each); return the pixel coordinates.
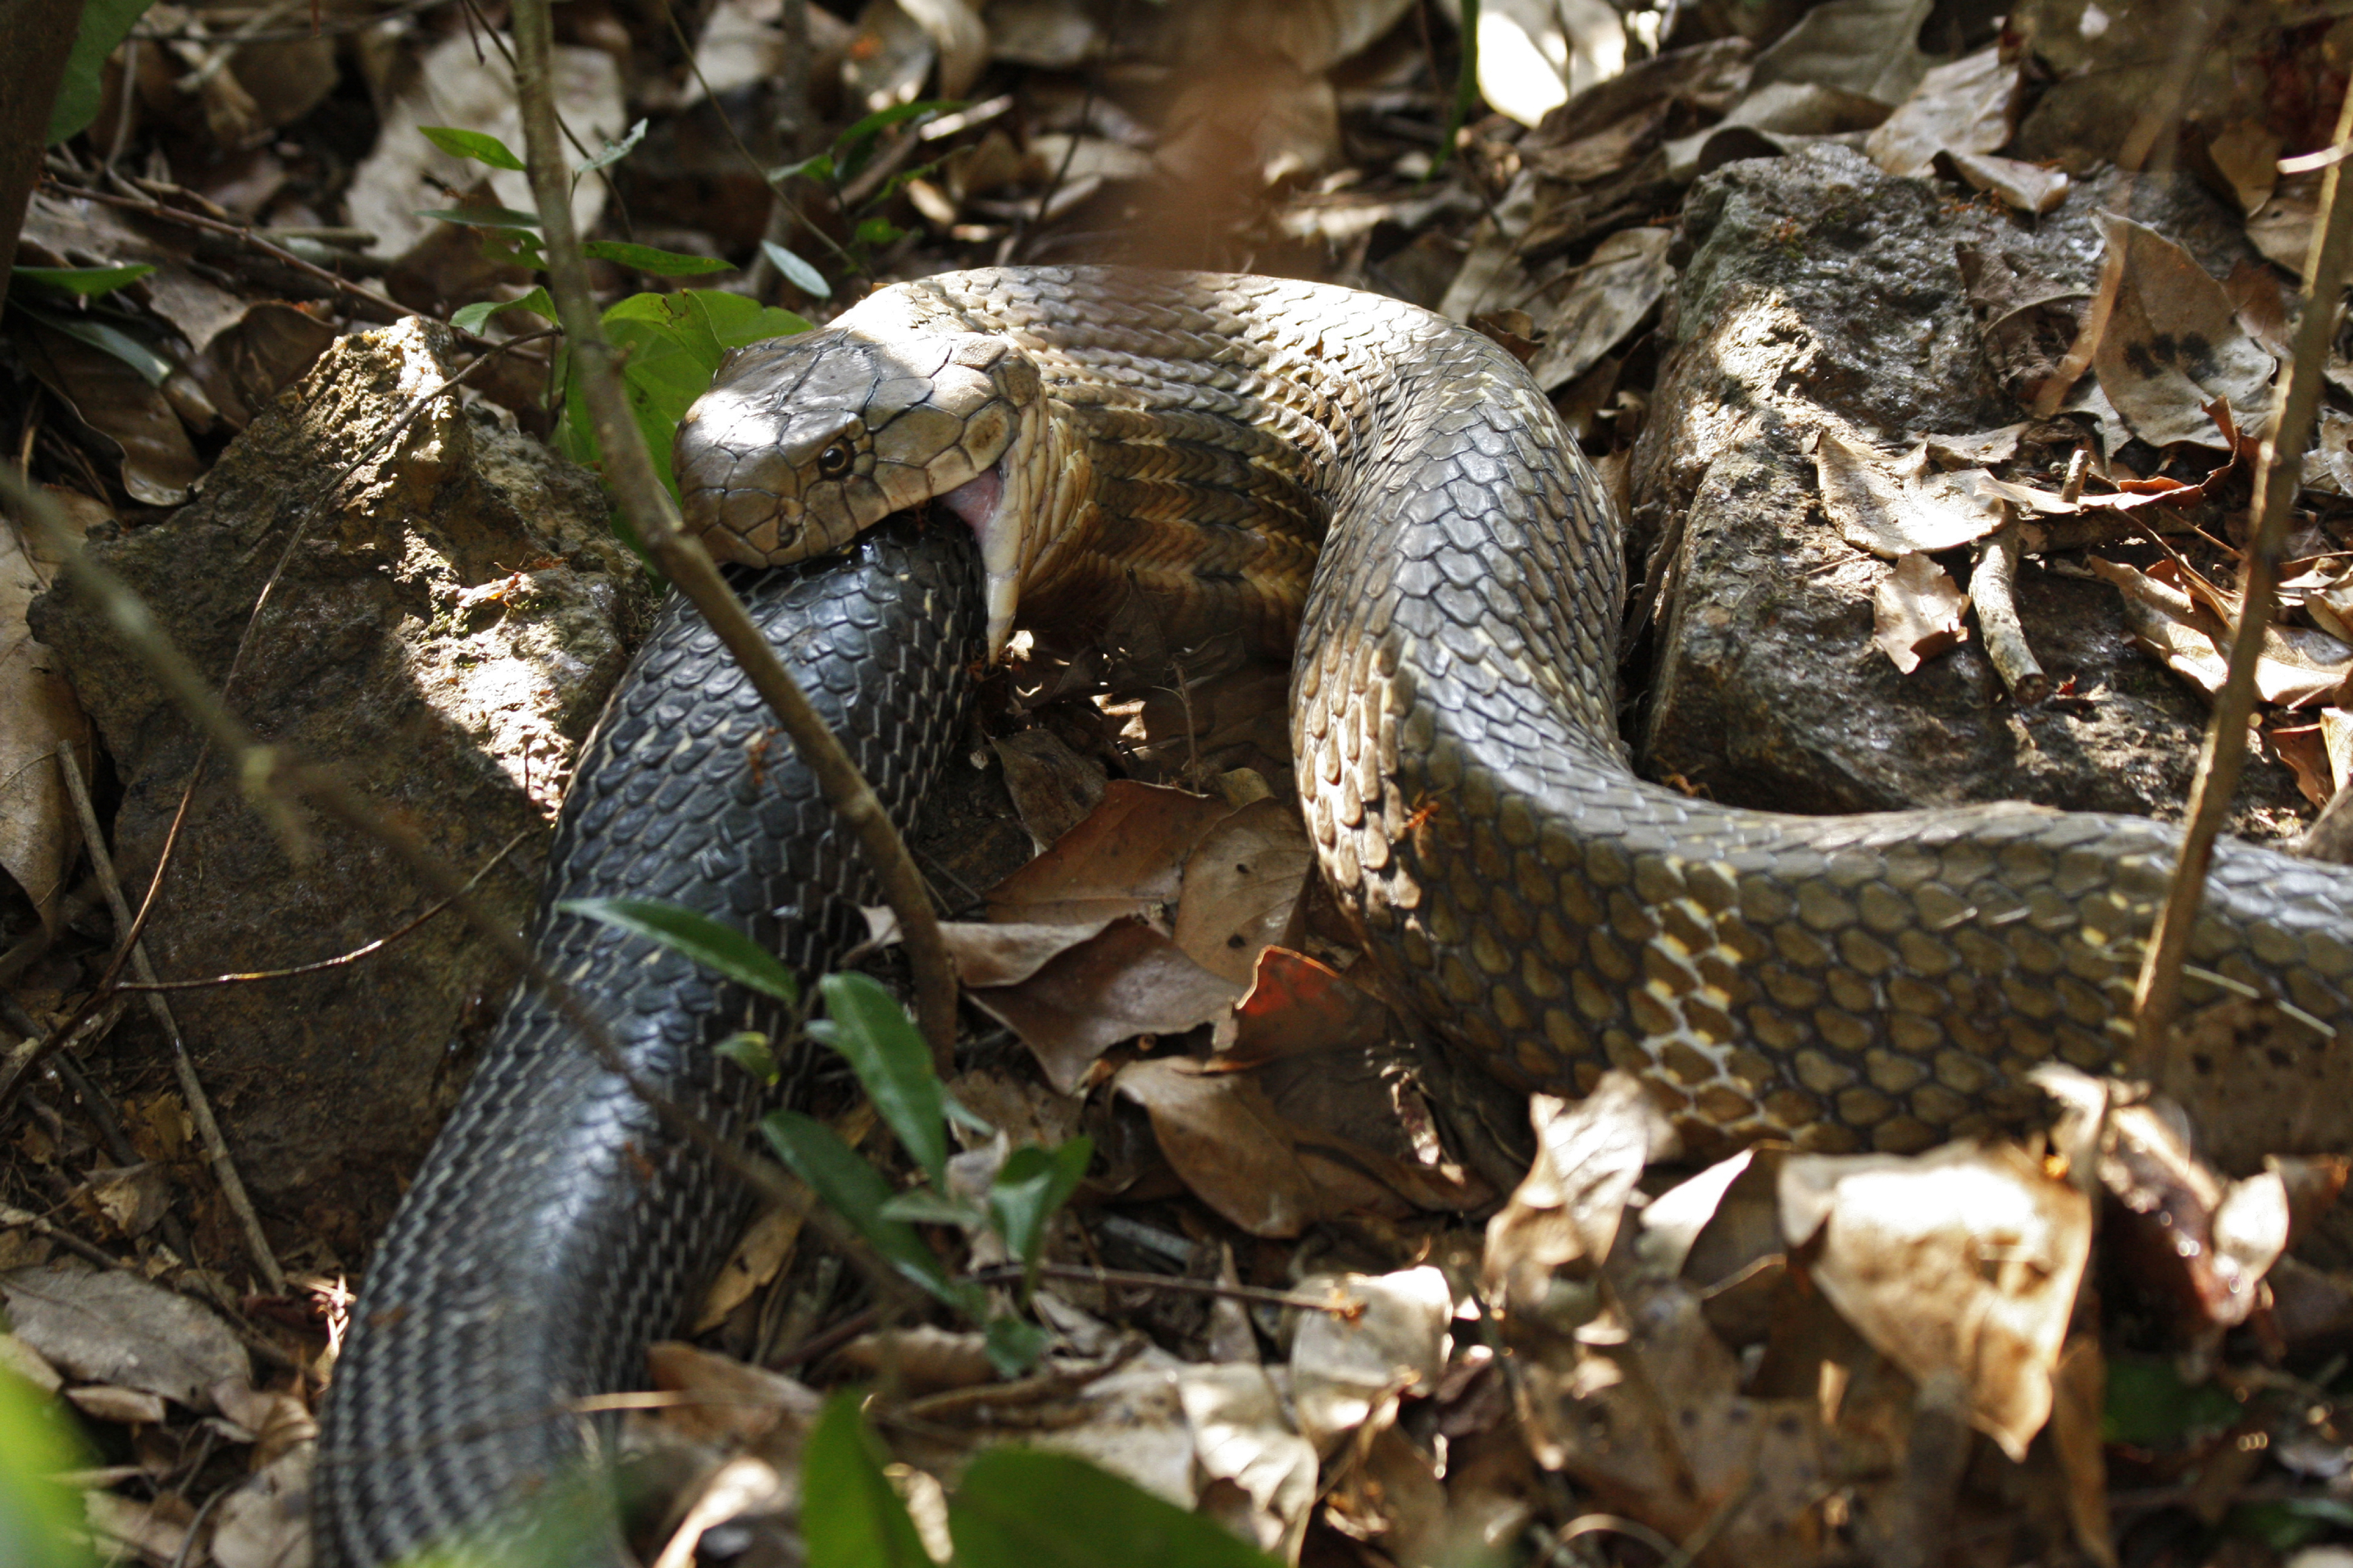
(1003, 506)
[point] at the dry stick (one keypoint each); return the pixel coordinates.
(342, 959)
(269, 774)
(2158, 997)
(192, 1087)
(628, 470)
(1992, 589)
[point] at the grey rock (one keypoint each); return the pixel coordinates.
(447, 627)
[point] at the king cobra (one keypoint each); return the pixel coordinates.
(1390, 494)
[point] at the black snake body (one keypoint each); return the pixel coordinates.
(1264, 456)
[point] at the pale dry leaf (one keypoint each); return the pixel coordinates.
(991, 954)
(2337, 735)
(275, 1423)
(1131, 1423)
(1242, 888)
(1242, 1436)
(1349, 1370)
(1964, 107)
(159, 467)
(1915, 612)
(266, 1522)
(2174, 345)
(2299, 665)
(1868, 47)
(1052, 786)
(1567, 1209)
(153, 1532)
(38, 713)
(924, 1358)
(1627, 275)
(461, 83)
(961, 37)
(111, 1327)
(123, 1406)
(20, 1360)
(2029, 187)
(1534, 55)
(1054, 35)
(1963, 1261)
(733, 1403)
(1977, 448)
(2246, 154)
(2282, 227)
(756, 1261)
(1893, 507)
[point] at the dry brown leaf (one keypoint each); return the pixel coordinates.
(2174, 345)
(2246, 154)
(756, 1261)
(1126, 980)
(38, 836)
(1127, 858)
(1893, 506)
(1052, 786)
(153, 1532)
(1348, 1370)
(124, 1406)
(132, 1198)
(1243, 886)
(1298, 1004)
(734, 1403)
(1960, 1262)
(2184, 1230)
(159, 467)
(924, 1358)
(1627, 275)
(987, 954)
(1239, 1154)
(2299, 666)
(1915, 612)
(1242, 1438)
(113, 1327)
(1568, 1208)
(1964, 107)
(2306, 755)
(266, 1522)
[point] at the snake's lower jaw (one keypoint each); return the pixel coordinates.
(980, 502)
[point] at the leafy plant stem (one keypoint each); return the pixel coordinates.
(645, 504)
(2156, 999)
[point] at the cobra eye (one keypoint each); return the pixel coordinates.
(835, 460)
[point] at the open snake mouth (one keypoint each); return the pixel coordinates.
(979, 501)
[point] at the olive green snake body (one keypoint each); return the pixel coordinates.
(1282, 457)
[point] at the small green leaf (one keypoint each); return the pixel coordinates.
(84, 281)
(749, 1050)
(1031, 1186)
(818, 167)
(99, 334)
(648, 259)
(798, 272)
(859, 134)
(1014, 1344)
(483, 217)
(857, 1192)
(876, 231)
(1026, 1507)
(700, 937)
(2148, 1405)
(615, 151)
(469, 318)
(860, 1521)
(872, 1032)
(480, 146)
(921, 1205)
(103, 25)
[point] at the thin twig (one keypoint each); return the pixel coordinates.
(340, 959)
(628, 470)
(1335, 1303)
(1993, 589)
(2157, 998)
(192, 1089)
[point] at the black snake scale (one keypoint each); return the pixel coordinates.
(555, 1228)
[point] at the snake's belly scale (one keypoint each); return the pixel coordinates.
(1259, 455)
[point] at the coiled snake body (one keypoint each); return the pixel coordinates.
(1280, 458)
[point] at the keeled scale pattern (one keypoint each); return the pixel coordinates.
(555, 1227)
(1881, 981)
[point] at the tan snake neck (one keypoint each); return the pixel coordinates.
(1881, 981)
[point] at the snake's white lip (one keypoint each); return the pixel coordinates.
(980, 501)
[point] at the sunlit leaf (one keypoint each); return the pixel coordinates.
(857, 1192)
(615, 151)
(479, 145)
(84, 281)
(700, 937)
(819, 166)
(749, 1049)
(1032, 1185)
(1027, 1508)
(469, 318)
(797, 272)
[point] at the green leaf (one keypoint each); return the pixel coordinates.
(131, 351)
(854, 1518)
(1025, 1508)
(648, 259)
(921, 1205)
(469, 318)
(84, 281)
(480, 146)
(483, 217)
(615, 151)
(859, 134)
(2288, 1523)
(1014, 1344)
(1031, 1186)
(798, 272)
(876, 231)
(857, 1192)
(700, 937)
(749, 1049)
(818, 167)
(2148, 1405)
(103, 25)
(865, 1023)
(40, 1521)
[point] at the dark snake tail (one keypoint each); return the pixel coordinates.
(556, 1228)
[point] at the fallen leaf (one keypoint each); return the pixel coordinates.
(989, 954)
(1893, 506)
(1126, 857)
(1126, 981)
(1298, 1004)
(2174, 343)
(2029, 187)
(1917, 611)
(1052, 786)
(1965, 107)
(1568, 1208)
(266, 1522)
(122, 406)
(736, 1404)
(1348, 1370)
(1962, 1261)
(1242, 1436)
(1616, 290)
(38, 836)
(756, 1259)
(1241, 890)
(124, 1406)
(108, 1326)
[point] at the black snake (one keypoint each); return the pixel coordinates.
(1286, 459)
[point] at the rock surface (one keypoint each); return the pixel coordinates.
(1818, 291)
(451, 619)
